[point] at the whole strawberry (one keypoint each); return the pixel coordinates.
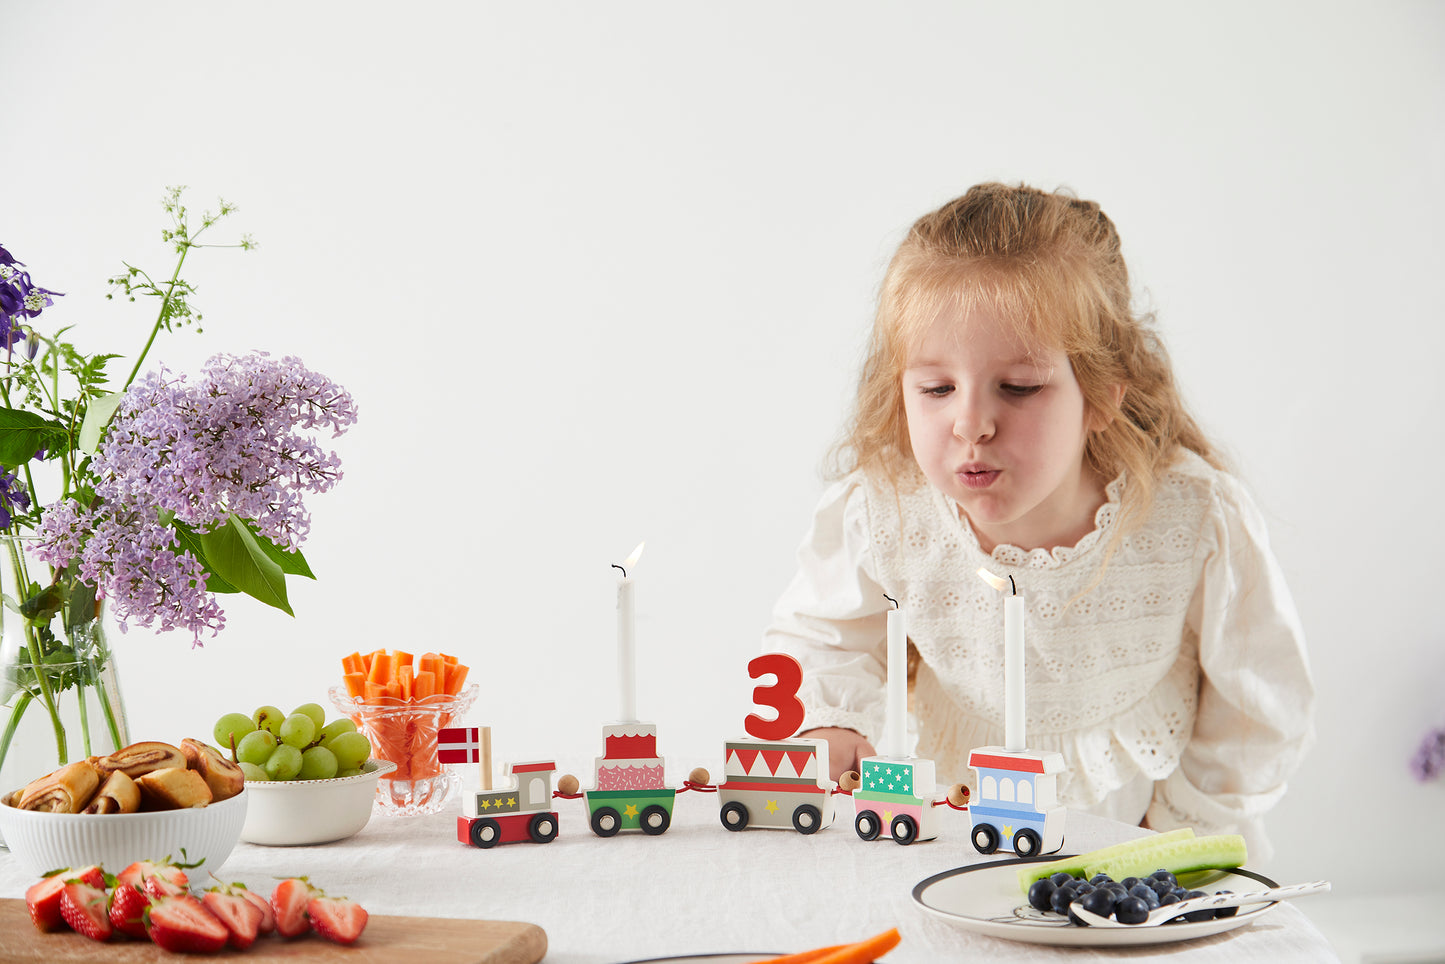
(337, 918)
(84, 908)
(183, 925)
(167, 870)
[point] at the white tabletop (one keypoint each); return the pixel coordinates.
(699, 888)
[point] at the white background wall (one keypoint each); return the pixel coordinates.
(600, 273)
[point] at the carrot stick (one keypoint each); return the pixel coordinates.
(449, 659)
(424, 685)
(355, 684)
(404, 678)
(380, 668)
(803, 957)
(372, 692)
(401, 658)
(456, 676)
(865, 950)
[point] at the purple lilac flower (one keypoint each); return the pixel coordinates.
(19, 298)
(1429, 760)
(231, 443)
(13, 495)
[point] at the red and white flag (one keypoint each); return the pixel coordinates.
(459, 744)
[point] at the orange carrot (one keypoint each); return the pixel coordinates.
(372, 692)
(456, 676)
(380, 668)
(401, 658)
(424, 685)
(404, 677)
(865, 950)
(803, 957)
(355, 684)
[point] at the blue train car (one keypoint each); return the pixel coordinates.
(1017, 801)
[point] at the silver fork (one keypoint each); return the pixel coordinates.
(1208, 902)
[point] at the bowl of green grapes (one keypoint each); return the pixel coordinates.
(311, 780)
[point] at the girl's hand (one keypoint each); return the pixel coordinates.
(846, 748)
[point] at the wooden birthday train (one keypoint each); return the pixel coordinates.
(773, 779)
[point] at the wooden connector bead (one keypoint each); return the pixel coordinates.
(958, 795)
(849, 781)
(699, 777)
(567, 784)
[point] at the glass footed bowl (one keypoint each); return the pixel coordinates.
(405, 733)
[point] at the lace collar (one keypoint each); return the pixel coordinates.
(1017, 558)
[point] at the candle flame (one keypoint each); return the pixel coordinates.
(999, 582)
(631, 560)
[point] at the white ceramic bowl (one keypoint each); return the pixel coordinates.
(290, 813)
(43, 842)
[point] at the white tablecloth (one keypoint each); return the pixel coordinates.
(699, 888)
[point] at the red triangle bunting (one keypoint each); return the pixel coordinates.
(773, 758)
(800, 759)
(746, 758)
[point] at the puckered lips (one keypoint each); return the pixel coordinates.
(977, 475)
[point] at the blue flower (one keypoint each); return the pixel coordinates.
(12, 495)
(19, 298)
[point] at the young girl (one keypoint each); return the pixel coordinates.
(1014, 415)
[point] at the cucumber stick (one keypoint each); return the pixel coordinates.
(1076, 865)
(1177, 857)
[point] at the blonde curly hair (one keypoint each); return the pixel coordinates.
(1050, 265)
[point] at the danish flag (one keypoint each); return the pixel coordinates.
(459, 744)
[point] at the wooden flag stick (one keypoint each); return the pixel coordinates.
(486, 763)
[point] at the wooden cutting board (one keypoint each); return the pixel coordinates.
(435, 940)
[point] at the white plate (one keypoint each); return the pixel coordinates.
(708, 959)
(985, 899)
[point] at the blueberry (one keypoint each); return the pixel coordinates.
(1203, 914)
(1059, 900)
(1132, 910)
(1098, 879)
(1226, 911)
(1145, 893)
(1160, 887)
(1099, 902)
(1163, 875)
(1129, 882)
(1041, 893)
(1062, 878)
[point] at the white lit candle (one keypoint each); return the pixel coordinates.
(627, 640)
(1013, 659)
(895, 727)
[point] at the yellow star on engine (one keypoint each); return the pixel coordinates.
(887, 816)
(486, 804)
(631, 811)
(1008, 831)
(511, 801)
(772, 806)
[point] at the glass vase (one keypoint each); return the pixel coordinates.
(60, 698)
(405, 733)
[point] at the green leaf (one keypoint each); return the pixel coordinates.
(97, 416)
(191, 542)
(291, 563)
(23, 433)
(233, 553)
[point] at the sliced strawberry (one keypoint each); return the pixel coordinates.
(268, 915)
(43, 898)
(127, 910)
(337, 918)
(138, 872)
(183, 925)
(289, 902)
(84, 909)
(241, 917)
(157, 885)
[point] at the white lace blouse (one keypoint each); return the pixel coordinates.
(1175, 685)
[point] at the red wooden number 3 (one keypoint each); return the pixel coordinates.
(781, 695)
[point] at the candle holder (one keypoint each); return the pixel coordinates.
(405, 733)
